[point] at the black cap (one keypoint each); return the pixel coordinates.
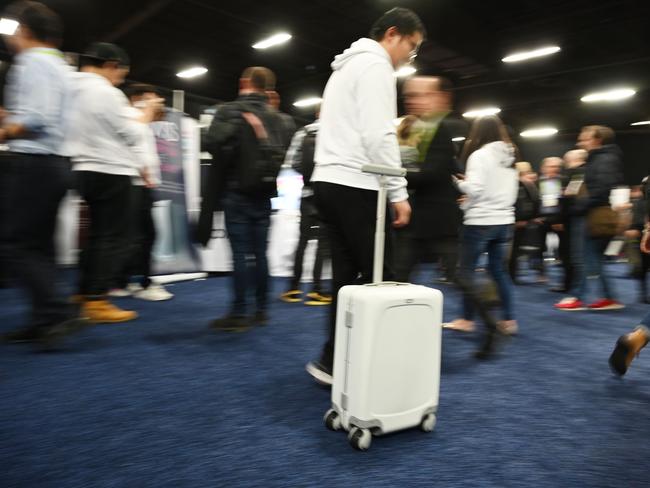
(105, 51)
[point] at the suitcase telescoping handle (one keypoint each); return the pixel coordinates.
(380, 234)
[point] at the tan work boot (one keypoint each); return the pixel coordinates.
(104, 312)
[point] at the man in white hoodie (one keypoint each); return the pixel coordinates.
(357, 113)
(105, 145)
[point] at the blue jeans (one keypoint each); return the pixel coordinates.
(592, 248)
(247, 224)
(496, 240)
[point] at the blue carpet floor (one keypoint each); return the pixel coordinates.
(164, 402)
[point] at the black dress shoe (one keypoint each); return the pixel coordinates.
(260, 318)
(232, 323)
(487, 347)
(51, 336)
(23, 336)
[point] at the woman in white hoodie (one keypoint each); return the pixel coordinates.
(490, 186)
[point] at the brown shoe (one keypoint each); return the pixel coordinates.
(104, 312)
(627, 348)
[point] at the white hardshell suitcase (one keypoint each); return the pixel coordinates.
(387, 353)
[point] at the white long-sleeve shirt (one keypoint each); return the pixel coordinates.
(491, 185)
(101, 136)
(149, 151)
(356, 120)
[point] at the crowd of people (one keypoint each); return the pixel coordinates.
(67, 129)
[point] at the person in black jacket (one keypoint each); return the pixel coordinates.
(603, 172)
(526, 214)
(243, 135)
(436, 216)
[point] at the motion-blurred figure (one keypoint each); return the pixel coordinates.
(35, 175)
(133, 278)
(105, 144)
(603, 172)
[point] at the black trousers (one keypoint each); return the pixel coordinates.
(311, 227)
(109, 202)
(349, 215)
(136, 259)
(31, 189)
(411, 249)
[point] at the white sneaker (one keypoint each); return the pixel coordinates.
(154, 293)
(119, 292)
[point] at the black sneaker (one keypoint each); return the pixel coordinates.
(231, 323)
(321, 373)
(23, 336)
(52, 335)
(260, 318)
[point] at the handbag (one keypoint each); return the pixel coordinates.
(603, 222)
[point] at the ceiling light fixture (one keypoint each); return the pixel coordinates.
(458, 139)
(643, 122)
(308, 102)
(481, 112)
(539, 132)
(405, 71)
(192, 72)
(609, 96)
(526, 55)
(8, 27)
(274, 40)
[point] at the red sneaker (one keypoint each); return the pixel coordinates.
(570, 304)
(606, 304)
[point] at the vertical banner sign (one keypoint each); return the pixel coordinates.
(173, 251)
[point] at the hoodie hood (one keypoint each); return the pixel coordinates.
(362, 46)
(502, 152)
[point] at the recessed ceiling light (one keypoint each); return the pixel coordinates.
(482, 112)
(405, 71)
(458, 139)
(8, 27)
(307, 102)
(643, 122)
(609, 96)
(536, 53)
(274, 40)
(539, 132)
(192, 72)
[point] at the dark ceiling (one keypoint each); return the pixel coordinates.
(604, 43)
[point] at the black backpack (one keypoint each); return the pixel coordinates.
(307, 151)
(257, 164)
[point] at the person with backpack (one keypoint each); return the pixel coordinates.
(245, 140)
(300, 158)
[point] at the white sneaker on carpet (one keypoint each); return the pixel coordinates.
(154, 293)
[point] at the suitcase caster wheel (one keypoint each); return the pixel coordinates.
(332, 420)
(428, 423)
(360, 439)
